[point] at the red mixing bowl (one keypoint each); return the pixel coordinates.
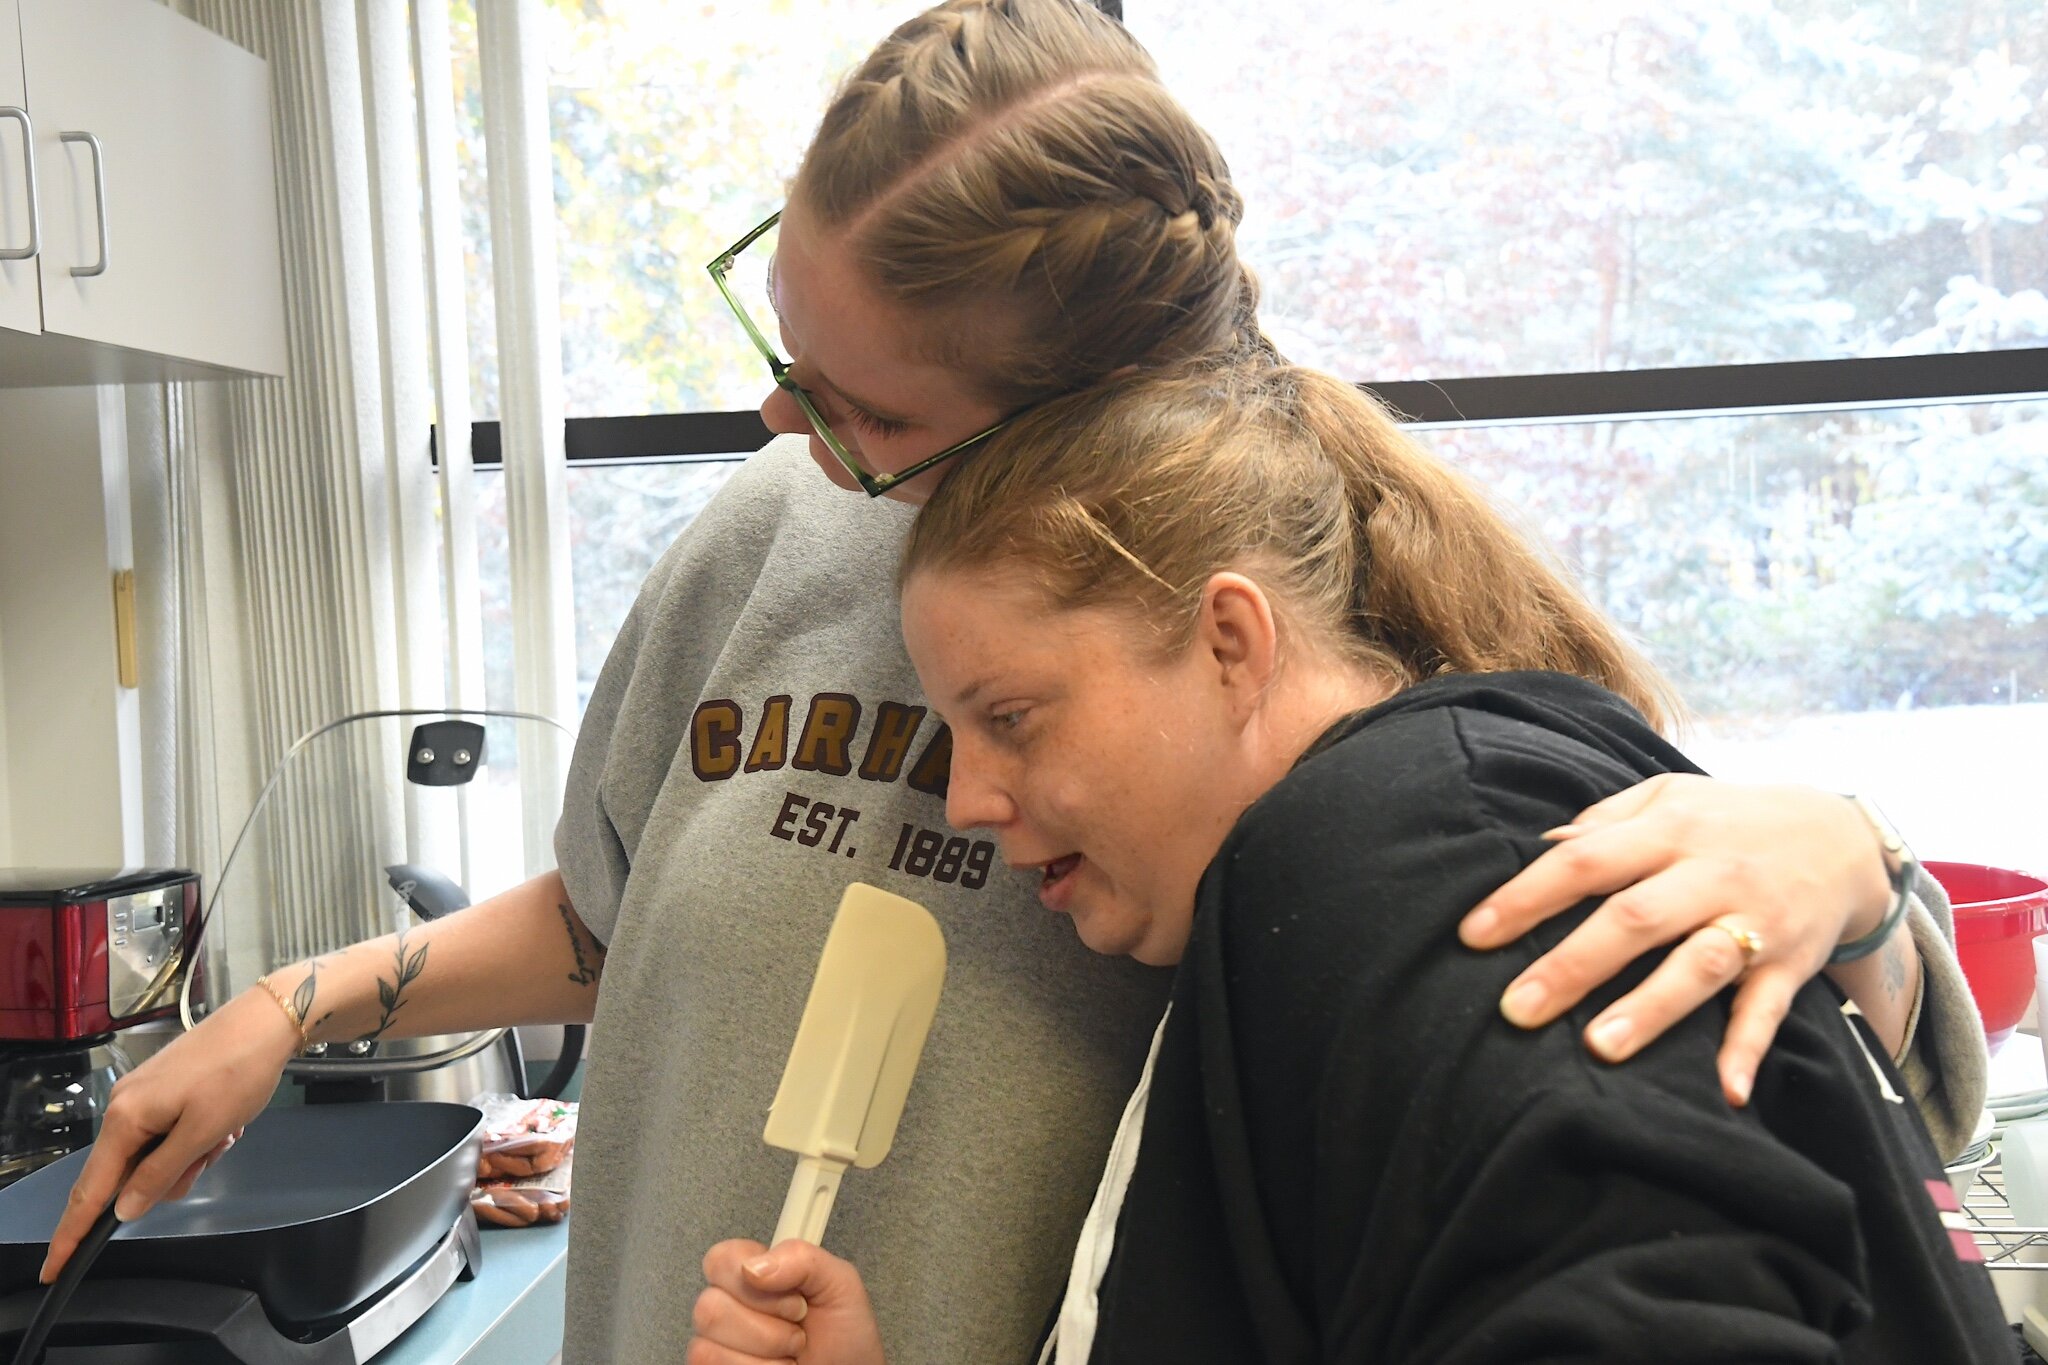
(1998, 912)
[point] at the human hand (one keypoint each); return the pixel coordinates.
(1677, 856)
(795, 1305)
(197, 1094)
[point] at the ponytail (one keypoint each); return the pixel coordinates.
(1136, 493)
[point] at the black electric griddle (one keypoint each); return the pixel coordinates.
(317, 1238)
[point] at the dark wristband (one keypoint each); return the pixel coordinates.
(1872, 941)
(1902, 886)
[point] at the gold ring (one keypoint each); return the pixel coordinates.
(1749, 940)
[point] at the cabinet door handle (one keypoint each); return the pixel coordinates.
(28, 153)
(99, 186)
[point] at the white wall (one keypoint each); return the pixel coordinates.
(6, 795)
(60, 703)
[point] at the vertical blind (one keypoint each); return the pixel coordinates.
(337, 573)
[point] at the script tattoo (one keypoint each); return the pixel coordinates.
(391, 990)
(1894, 968)
(584, 974)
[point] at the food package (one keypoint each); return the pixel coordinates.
(522, 1203)
(523, 1170)
(523, 1138)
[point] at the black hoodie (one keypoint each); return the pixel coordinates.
(1349, 1156)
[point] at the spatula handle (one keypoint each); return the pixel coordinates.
(809, 1203)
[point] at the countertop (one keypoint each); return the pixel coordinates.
(510, 1314)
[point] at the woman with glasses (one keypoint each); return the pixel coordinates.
(1001, 206)
(1269, 694)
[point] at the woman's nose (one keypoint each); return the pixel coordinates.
(973, 801)
(781, 414)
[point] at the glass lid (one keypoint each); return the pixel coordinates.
(373, 824)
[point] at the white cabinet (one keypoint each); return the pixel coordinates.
(153, 176)
(21, 301)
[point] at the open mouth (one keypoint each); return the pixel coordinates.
(1056, 880)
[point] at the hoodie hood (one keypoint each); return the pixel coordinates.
(1559, 702)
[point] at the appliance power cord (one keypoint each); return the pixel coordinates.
(564, 1069)
(58, 1296)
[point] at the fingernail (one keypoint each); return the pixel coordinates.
(1609, 1037)
(130, 1207)
(1521, 1003)
(1740, 1083)
(1563, 832)
(1479, 926)
(43, 1275)
(758, 1267)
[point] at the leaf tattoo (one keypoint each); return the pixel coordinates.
(391, 992)
(302, 998)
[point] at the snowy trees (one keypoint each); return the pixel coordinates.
(1471, 189)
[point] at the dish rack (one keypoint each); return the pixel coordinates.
(2005, 1244)
(2016, 1257)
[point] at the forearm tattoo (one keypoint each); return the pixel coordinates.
(585, 974)
(303, 996)
(391, 989)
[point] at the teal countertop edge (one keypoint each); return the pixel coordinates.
(510, 1314)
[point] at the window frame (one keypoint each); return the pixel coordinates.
(1777, 387)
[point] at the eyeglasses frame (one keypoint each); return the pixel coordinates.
(874, 485)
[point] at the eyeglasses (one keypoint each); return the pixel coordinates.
(875, 485)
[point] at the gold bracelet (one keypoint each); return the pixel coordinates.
(291, 1014)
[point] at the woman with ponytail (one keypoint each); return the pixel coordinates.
(1002, 205)
(1264, 692)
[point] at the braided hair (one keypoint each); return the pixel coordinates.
(1015, 170)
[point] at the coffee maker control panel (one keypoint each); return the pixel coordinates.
(144, 933)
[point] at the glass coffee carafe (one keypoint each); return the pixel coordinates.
(51, 1099)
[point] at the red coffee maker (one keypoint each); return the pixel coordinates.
(84, 954)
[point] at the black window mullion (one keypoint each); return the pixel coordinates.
(1498, 400)
(1723, 390)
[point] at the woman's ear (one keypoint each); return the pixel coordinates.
(1240, 638)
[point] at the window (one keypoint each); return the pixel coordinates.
(1484, 187)
(1732, 288)
(621, 518)
(675, 128)
(1858, 600)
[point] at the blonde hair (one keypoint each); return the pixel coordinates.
(1015, 170)
(1133, 494)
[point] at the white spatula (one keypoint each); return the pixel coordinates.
(856, 1050)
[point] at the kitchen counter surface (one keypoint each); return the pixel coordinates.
(510, 1314)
